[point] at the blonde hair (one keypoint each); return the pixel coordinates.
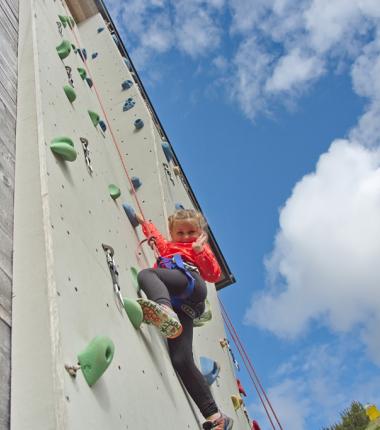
(187, 214)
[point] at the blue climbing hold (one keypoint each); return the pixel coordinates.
(136, 182)
(89, 82)
(131, 214)
(94, 55)
(128, 104)
(102, 125)
(179, 207)
(84, 53)
(126, 85)
(210, 369)
(100, 29)
(139, 123)
(167, 151)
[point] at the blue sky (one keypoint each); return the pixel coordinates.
(273, 108)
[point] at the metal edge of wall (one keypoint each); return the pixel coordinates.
(36, 380)
(228, 278)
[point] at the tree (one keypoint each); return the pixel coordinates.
(352, 418)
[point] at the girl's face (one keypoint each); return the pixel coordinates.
(185, 231)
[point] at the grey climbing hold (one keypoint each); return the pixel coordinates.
(139, 123)
(128, 104)
(102, 125)
(131, 214)
(136, 182)
(125, 85)
(89, 82)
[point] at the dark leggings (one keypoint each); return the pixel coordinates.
(157, 285)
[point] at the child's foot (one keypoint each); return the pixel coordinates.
(221, 423)
(163, 317)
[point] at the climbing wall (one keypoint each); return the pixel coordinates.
(66, 215)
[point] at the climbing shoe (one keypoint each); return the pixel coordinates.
(221, 423)
(161, 316)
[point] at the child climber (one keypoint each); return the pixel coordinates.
(178, 280)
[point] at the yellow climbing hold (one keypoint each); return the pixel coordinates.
(237, 401)
(372, 412)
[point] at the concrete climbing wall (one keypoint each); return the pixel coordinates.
(64, 295)
(8, 88)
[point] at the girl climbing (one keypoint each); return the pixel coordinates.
(178, 281)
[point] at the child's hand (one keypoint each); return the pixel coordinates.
(139, 218)
(200, 242)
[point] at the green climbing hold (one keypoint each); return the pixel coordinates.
(70, 93)
(114, 191)
(63, 49)
(134, 312)
(135, 282)
(95, 358)
(64, 20)
(205, 317)
(71, 21)
(82, 72)
(64, 148)
(94, 117)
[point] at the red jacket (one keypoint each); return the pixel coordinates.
(204, 260)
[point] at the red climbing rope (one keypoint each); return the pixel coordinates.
(250, 368)
(109, 124)
(114, 140)
(230, 330)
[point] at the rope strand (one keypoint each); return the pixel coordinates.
(250, 368)
(244, 360)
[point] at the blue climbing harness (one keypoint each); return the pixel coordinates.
(181, 301)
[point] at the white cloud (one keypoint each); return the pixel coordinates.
(247, 14)
(156, 26)
(196, 27)
(306, 39)
(292, 403)
(253, 65)
(330, 22)
(366, 82)
(324, 266)
(314, 387)
(158, 36)
(220, 62)
(293, 71)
